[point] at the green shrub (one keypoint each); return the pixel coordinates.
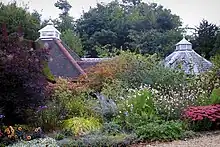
(71, 101)
(163, 76)
(139, 105)
(59, 136)
(215, 96)
(49, 116)
(115, 90)
(25, 128)
(202, 125)
(139, 102)
(160, 130)
(143, 103)
(171, 100)
(65, 102)
(81, 126)
(98, 140)
(111, 128)
(130, 68)
(134, 67)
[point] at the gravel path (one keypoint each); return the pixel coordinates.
(207, 140)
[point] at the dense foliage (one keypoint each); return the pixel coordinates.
(65, 101)
(161, 130)
(81, 126)
(207, 41)
(130, 97)
(104, 30)
(19, 19)
(203, 117)
(22, 79)
(130, 68)
(125, 26)
(73, 41)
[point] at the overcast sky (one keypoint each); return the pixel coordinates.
(190, 11)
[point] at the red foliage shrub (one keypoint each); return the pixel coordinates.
(99, 74)
(198, 113)
(66, 84)
(22, 82)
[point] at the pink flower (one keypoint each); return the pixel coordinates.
(199, 118)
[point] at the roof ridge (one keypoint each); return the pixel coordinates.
(69, 57)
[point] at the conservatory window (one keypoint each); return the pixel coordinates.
(48, 33)
(178, 47)
(189, 46)
(183, 46)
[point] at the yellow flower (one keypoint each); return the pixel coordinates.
(19, 128)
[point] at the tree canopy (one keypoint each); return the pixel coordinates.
(15, 17)
(106, 29)
(143, 27)
(206, 42)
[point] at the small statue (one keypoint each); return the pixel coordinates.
(20, 133)
(38, 133)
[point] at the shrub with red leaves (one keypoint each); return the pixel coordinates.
(22, 82)
(203, 116)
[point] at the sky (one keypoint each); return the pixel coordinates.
(190, 11)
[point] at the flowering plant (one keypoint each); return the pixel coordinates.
(211, 112)
(203, 116)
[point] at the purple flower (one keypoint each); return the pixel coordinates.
(40, 108)
(43, 107)
(2, 116)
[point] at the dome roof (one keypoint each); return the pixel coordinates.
(186, 59)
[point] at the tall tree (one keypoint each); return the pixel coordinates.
(14, 17)
(64, 6)
(134, 2)
(216, 49)
(120, 25)
(66, 21)
(205, 41)
(73, 41)
(66, 26)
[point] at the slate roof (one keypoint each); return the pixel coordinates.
(85, 65)
(63, 66)
(186, 59)
(63, 61)
(58, 63)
